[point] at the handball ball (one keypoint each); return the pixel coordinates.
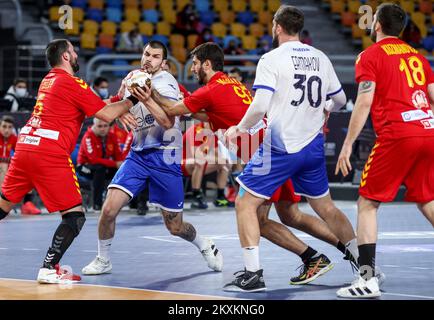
(139, 79)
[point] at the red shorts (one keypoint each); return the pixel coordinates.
(52, 176)
(285, 193)
(408, 161)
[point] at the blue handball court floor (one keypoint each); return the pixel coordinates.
(146, 256)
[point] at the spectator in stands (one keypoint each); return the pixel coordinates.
(8, 140)
(234, 49)
(236, 73)
(263, 47)
(205, 36)
(99, 157)
(131, 42)
(187, 21)
(100, 87)
(16, 92)
(412, 35)
(305, 38)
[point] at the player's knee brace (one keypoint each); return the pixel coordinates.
(3, 214)
(75, 220)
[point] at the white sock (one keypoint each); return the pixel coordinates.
(200, 242)
(353, 248)
(104, 248)
(251, 258)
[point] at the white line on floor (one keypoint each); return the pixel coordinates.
(407, 295)
(158, 239)
(31, 249)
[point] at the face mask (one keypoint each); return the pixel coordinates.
(20, 92)
(103, 93)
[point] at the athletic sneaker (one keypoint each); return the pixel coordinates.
(57, 275)
(361, 288)
(221, 203)
(213, 256)
(199, 203)
(30, 208)
(312, 269)
(247, 281)
(97, 266)
(381, 277)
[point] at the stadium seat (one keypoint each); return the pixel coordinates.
(94, 14)
(114, 4)
(161, 38)
(180, 54)
(88, 41)
(166, 5)
(337, 6)
(354, 5)
(90, 27)
(249, 42)
(120, 74)
(149, 4)
(245, 17)
(257, 30)
(419, 19)
(366, 42)
(268, 38)
(177, 41)
(207, 18)
(96, 4)
(228, 39)
(127, 26)
(273, 5)
(114, 14)
(132, 15)
(227, 17)
(106, 41)
(180, 4)
(218, 29)
(220, 5)
(191, 41)
(131, 4)
(79, 4)
(356, 32)
(75, 31)
(348, 18)
(109, 27)
(373, 4)
(103, 50)
(238, 30)
(265, 18)
(202, 5)
(146, 28)
(77, 14)
(428, 43)
(239, 5)
(163, 28)
(432, 19)
(169, 16)
(54, 14)
(151, 15)
(425, 6)
(145, 39)
(407, 5)
(257, 5)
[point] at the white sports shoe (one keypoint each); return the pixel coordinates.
(213, 256)
(57, 275)
(361, 289)
(97, 266)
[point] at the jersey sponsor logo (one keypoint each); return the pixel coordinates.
(47, 84)
(149, 119)
(414, 115)
(29, 140)
(419, 99)
(428, 123)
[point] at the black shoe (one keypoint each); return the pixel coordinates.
(96, 207)
(199, 203)
(247, 281)
(142, 210)
(312, 269)
(221, 203)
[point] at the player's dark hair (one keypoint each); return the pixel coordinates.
(155, 44)
(97, 82)
(54, 51)
(290, 19)
(210, 51)
(8, 119)
(19, 80)
(392, 19)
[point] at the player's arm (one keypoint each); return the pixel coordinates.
(431, 95)
(171, 107)
(114, 110)
(201, 116)
(360, 114)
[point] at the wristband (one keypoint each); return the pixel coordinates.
(133, 99)
(114, 99)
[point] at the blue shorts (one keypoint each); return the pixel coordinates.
(166, 189)
(269, 169)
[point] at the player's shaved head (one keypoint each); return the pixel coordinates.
(290, 19)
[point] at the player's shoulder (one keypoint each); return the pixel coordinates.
(370, 53)
(163, 76)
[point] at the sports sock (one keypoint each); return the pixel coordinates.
(196, 193)
(251, 258)
(367, 260)
(104, 248)
(220, 193)
(308, 254)
(28, 197)
(341, 247)
(200, 242)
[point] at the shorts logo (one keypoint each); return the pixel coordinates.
(368, 166)
(30, 140)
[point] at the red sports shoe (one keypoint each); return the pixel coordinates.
(231, 194)
(57, 275)
(29, 208)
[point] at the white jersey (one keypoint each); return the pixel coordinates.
(301, 78)
(149, 134)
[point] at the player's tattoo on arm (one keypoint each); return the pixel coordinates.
(365, 86)
(188, 232)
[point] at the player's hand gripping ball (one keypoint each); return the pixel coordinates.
(139, 79)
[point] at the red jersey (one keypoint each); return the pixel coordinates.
(127, 145)
(62, 104)
(93, 150)
(224, 99)
(121, 134)
(197, 136)
(184, 91)
(6, 146)
(401, 105)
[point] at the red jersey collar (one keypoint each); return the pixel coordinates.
(217, 76)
